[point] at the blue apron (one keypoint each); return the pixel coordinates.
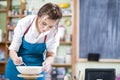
(32, 55)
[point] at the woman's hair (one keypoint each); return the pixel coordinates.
(52, 10)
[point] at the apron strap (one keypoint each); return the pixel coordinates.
(45, 38)
(28, 27)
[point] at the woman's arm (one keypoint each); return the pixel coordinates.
(51, 50)
(17, 40)
(50, 55)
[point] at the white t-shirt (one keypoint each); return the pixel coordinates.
(33, 36)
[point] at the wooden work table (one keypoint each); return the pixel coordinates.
(29, 77)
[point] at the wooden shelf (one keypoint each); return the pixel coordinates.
(3, 10)
(3, 0)
(23, 16)
(8, 42)
(2, 42)
(10, 28)
(2, 67)
(2, 62)
(61, 65)
(65, 43)
(67, 15)
(14, 16)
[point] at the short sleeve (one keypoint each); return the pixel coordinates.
(53, 42)
(18, 33)
(17, 38)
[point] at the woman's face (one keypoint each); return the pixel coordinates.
(45, 24)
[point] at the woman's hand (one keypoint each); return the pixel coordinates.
(16, 60)
(47, 63)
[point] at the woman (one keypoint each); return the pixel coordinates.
(32, 36)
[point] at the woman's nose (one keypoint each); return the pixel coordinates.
(45, 28)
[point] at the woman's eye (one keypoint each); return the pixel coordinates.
(50, 26)
(44, 23)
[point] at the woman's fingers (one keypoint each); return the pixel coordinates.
(18, 61)
(46, 67)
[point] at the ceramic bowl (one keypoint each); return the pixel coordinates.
(29, 69)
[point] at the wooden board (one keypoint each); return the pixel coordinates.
(29, 76)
